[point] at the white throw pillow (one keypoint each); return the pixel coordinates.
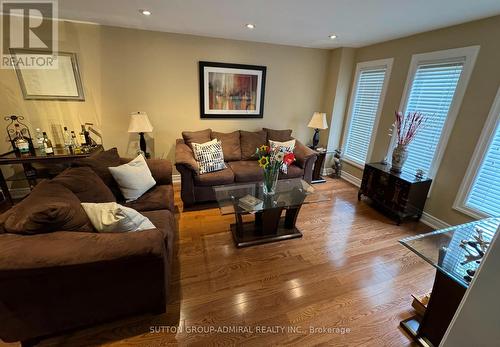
(133, 178)
(287, 146)
(113, 217)
(209, 156)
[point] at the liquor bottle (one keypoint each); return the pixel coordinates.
(74, 139)
(39, 139)
(82, 137)
(21, 143)
(47, 144)
(67, 138)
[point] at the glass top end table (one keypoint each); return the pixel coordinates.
(269, 225)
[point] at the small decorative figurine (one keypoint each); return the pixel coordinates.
(419, 174)
(337, 163)
(19, 135)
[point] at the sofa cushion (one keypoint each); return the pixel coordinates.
(49, 207)
(278, 135)
(200, 136)
(246, 171)
(225, 176)
(249, 143)
(293, 171)
(85, 184)
(100, 162)
(113, 217)
(134, 178)
(209, 156)
(230, 144)
(157, 198)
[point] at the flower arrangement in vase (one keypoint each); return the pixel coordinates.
(272, 161)
(406, 129)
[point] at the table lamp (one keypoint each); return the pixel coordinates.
(139, 123)
(317, 122)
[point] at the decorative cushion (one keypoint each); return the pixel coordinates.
(85, 184)
(287, 146)
(209, 156)
(100, 162)
(246, 171)
(201, 136)
(50, 207)
(133, 178)
(113, 217)
(230, 144)
(249, 143)
(278, 135)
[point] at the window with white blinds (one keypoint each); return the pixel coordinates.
(484, 195)
(366, 101)
(480, 190)
(432, 92)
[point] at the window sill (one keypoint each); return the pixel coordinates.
(354, 163)
(469, 212)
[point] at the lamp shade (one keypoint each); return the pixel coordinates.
(318, 121)
(139, 123)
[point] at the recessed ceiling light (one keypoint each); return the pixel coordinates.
(145, 12)
(250, 26)
(332, 36)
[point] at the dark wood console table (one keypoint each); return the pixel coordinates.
(60, 155)
(402, 195)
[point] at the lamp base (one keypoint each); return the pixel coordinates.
(315, 139)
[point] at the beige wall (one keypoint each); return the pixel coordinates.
(478, 98)
(126, 70)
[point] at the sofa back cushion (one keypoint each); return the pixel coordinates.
(278, 135)
(230, 144)
(249, 143)
(85, 184)
(50, 207)
(100, 162)
(200, 136)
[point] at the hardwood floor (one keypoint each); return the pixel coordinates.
(347, 272)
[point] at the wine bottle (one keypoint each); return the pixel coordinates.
(39, 139)
(47, 144)
(21, 143)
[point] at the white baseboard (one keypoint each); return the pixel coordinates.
(433, 222)
(176, 178)
(350, 178)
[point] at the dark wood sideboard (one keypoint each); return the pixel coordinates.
(401, 195)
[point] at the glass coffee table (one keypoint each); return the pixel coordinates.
(268, 224)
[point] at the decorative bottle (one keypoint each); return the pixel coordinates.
(67, 138)
(47, 144)
(39, 139)
(21, 143)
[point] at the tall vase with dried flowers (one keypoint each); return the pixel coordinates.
(406, 129)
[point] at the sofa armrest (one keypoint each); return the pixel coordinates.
(303, 154)
(161, 169)
(184, 156)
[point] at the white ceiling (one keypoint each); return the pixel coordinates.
(291, 22)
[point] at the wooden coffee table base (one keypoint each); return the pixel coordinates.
(268, 226)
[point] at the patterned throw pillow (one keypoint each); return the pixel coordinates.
(287, 146)
(209, 156)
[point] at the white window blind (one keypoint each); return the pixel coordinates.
(484, 195)
(432, 91)
(364, 112)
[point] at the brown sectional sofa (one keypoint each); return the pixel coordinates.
(242, 166)
(58, 278)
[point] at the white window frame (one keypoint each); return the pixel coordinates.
(367, 65)
(470, 55)
(482, 146)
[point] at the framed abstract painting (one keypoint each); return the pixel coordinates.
(231, 90)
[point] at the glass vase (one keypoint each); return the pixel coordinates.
(270, 181)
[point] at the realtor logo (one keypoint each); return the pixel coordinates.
(29, 34)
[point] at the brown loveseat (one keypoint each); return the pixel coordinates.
(66, 275)
(242, 166)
